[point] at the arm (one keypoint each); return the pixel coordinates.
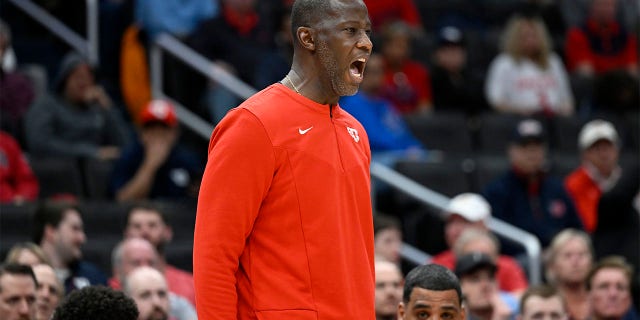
(566, 107)
(231, 193)
(497, 85)
(41, 136)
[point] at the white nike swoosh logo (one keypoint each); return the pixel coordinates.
(305, 130)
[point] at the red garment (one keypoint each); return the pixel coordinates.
(585, 194)
(510, 276)
(244, 23)
(284, 227)
(407, 87)
(385, 11)
(179, 282)
(16, 177)
(615, 50)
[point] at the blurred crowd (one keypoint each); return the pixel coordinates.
(74, 132)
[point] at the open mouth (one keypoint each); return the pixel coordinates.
(357, 68)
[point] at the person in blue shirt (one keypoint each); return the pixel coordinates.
(389, 136)
(155, 166)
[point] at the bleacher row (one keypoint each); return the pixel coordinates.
(104, 223)
(474, 148)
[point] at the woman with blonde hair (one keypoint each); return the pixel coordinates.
(528, 78)
(27, 253)
(568, 261)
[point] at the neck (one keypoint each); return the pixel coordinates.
(54, 259)
(308, 82)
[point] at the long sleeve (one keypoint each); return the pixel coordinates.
(497, 80)
(42, 137)
(236, 179)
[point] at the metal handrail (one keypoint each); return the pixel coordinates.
(439, 203)
(88, 48)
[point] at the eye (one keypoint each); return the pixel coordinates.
(350, 30)
(368, 32)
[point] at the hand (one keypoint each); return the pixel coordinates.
(157, 147)
(96, 94)
(108, 153)
(501, 310)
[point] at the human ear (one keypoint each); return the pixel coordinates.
(400, 311)
(305, 37)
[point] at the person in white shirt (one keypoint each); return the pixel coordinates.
(527, 78)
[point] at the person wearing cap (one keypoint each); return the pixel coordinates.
(78, 119)
(525, 195)
(528, 78)
(599, 172)
(456, 86)
(155, 166)
(470, 211)
(434, 291)
(483, 299)
(606, 194)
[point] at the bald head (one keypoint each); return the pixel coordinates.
(133, 253)
(148, 288)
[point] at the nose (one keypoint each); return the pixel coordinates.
(24, 308)
(365, 42)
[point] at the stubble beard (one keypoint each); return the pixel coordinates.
(329, 62)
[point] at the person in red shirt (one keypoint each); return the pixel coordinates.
(470, 211)
(601, 44)
(599, 172)
(407, 82)
(284, 224)
(603, 59)
(383, 12)
(18, 183)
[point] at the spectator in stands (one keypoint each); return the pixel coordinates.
(471, 212)
(389, 136)
(17, 292)
(528, 78)
(148, 288)
(96, 303)
(542, 302)
(599, 172)
(407, 82)
(276, 64)
(176, 17)
(387, 238)
(59, 230)
(155, 166)
(618, 230)
(27, 253)
(568, 261)
(78, 120)
(385, 12)
(609, 285)
(133, 253)
(601, 43)
(483, 300)
(456, 86)
(431, 290)
(147, 221)
(18, 183)
(388, 290)
(238, 39)
(602, 55)
(17, 90)
(49, 291)
(525, 196)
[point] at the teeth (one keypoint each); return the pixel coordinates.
(362, 60)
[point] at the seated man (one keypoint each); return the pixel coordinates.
(483, 300)
(156, 166)
(431, 290)
(147, 287)
(388, 290)
(542, 302)
(471, 211)
(17, 292)
(609, 285)
(49, 291)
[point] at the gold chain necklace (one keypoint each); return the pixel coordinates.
(293, 85)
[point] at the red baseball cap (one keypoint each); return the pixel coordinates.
(159, 111)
